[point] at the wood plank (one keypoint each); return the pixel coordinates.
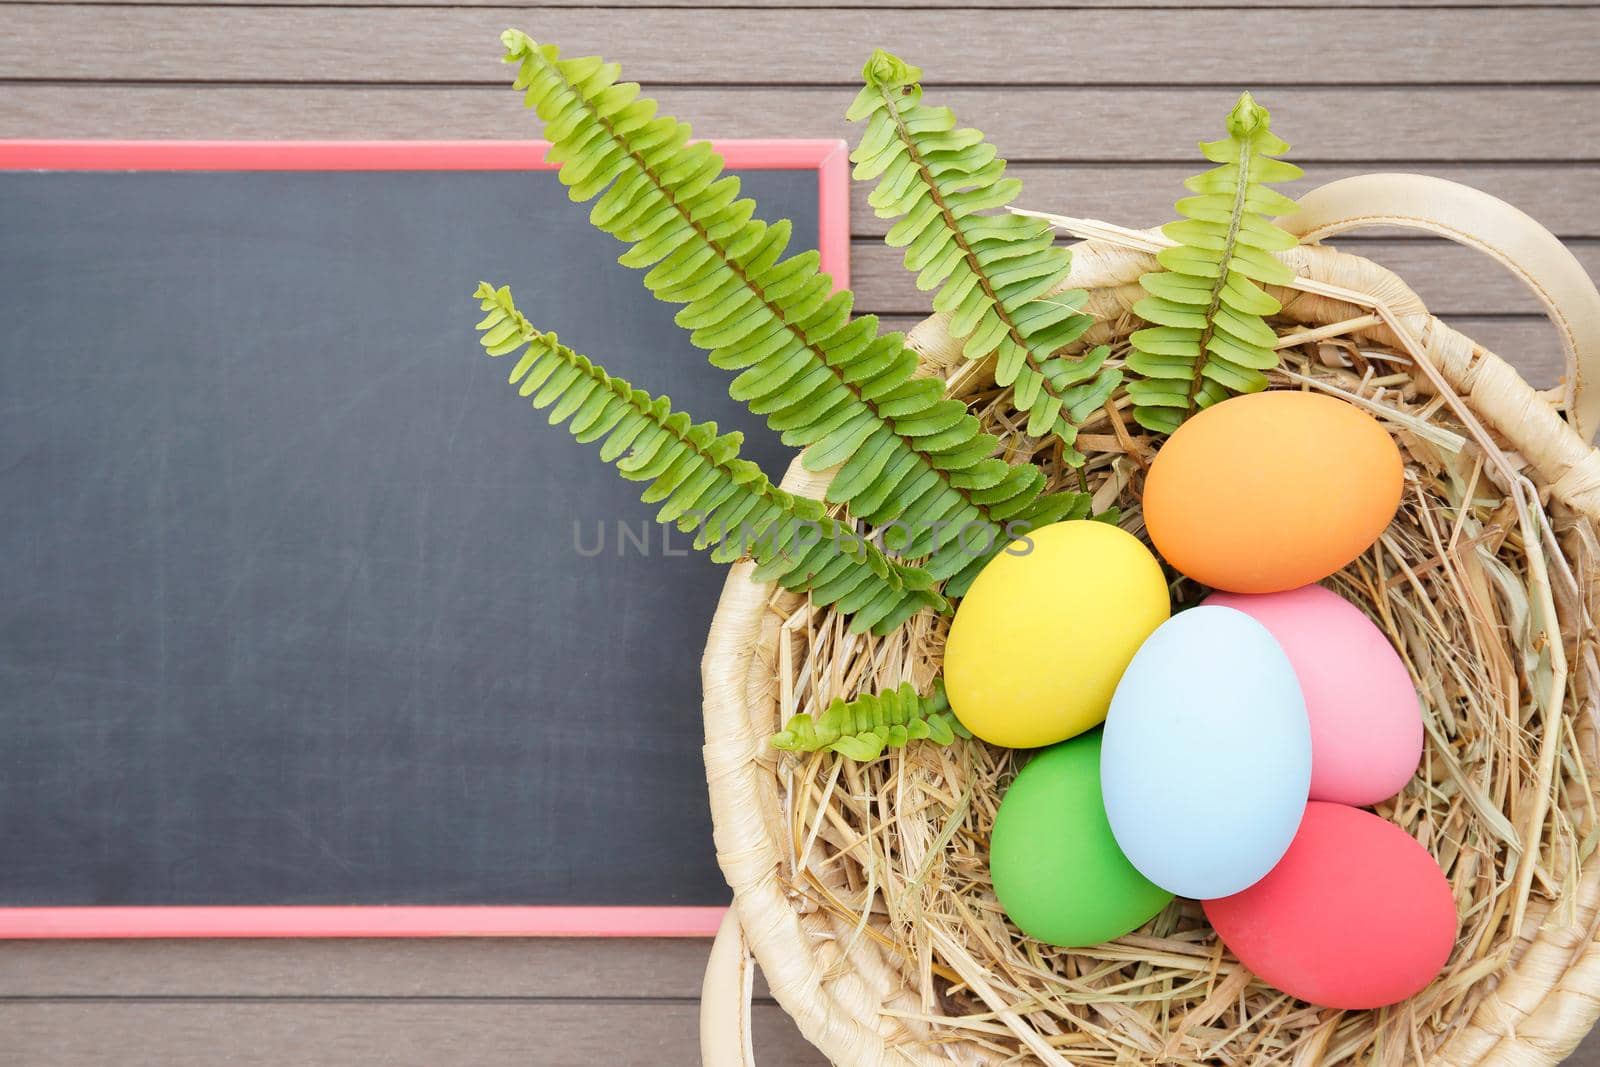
(417, 1033)
(1455, 280)
(495, 967)
(1373, 127)
(1450, 278)
(1561, 196)
(1527, 342)
(686, 46)
(869, 4)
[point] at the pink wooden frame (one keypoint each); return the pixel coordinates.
(826, 157)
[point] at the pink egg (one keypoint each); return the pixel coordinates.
(1356, 914)
(1366, 722)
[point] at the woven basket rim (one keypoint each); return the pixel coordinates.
(1546, 1001)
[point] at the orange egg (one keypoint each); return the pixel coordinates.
(1271, 491)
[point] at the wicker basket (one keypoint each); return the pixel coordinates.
(879, 936)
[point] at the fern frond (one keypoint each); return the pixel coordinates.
(1208, 337)
(862, 728)
(702, 485)
(997, 275)
(912, 463)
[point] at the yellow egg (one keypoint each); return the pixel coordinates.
(1041, 639)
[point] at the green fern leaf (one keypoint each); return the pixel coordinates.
(862, 728)
(1208, 337)
(997, 276)
(702, 485)
(913, 464)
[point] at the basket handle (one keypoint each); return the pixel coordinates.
(725, 999)
(1492, 226)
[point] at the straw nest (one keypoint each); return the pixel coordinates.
(1470, 582)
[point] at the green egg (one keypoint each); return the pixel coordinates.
(1057, 870)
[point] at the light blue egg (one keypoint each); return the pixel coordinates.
(1206, 761)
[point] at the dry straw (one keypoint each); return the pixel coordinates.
(863, 889)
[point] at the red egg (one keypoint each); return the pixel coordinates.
(1355, 915)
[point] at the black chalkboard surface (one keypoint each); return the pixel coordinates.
(299, 602)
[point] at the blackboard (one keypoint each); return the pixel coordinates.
(300, 603)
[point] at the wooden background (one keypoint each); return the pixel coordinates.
(1097, 105)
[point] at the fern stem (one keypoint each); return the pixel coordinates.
(957, 234)
(1236, 217)
(600, 152)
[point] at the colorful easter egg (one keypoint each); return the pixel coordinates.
(1271, 491)
(1056, 868)
(1041, 637)
(1356, 915)
(1366, 721)
(1207, 755)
